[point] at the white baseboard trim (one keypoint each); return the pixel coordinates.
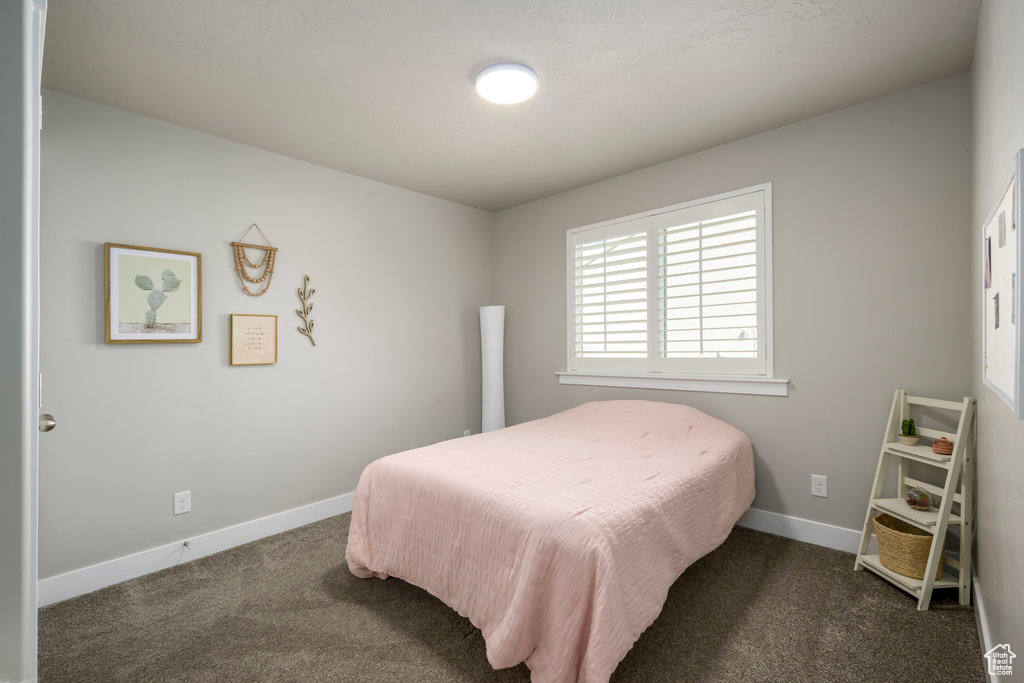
(92, 578)
(981, 619)
(88, 579)
(818, 533)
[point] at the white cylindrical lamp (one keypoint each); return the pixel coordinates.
(492, 357)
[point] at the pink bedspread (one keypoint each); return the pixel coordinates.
(558, 538)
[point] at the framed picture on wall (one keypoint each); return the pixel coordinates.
(253, 339)
(152, 295)
(1003, 255)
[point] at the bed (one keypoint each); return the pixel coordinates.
(558, 538)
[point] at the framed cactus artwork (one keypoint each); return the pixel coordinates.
(152, 295)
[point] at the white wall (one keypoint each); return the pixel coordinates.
(399, 277)
(998, 134)
(871, 288)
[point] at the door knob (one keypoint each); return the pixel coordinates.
(46, 422)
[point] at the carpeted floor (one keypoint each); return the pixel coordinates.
(286, 608)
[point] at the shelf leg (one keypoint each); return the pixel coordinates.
(946, 506)
(967, 513)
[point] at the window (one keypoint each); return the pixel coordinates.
(683, 290)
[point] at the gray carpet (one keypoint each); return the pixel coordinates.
(286, 608)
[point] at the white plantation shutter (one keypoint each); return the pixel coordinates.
(610, 298)
(709, 287)
(677, 290)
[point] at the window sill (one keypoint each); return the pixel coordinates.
(722, 384)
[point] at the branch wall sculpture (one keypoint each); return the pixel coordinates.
(304, 297)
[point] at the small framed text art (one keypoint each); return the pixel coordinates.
(152, 295)
(1002, 256)
(253, 339)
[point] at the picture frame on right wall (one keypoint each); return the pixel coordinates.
(1002, 256)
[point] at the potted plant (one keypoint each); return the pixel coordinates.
(908, 433)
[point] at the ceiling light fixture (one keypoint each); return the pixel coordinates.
(506, 83)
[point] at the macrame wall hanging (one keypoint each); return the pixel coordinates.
(259, 272)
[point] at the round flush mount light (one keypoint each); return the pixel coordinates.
(506, 83)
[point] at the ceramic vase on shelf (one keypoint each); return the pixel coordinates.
(492, 357)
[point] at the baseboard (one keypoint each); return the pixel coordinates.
(88, 579)
(808, 531)
(981, 619)
(94, 577)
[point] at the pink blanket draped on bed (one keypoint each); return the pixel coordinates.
(558, 538)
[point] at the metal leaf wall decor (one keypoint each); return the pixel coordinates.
(305, 294)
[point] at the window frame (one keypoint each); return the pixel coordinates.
(704, 371)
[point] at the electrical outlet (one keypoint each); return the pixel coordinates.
(819, 485)
(467, 432)
(182, 502)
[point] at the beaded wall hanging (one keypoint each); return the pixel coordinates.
(255, 273)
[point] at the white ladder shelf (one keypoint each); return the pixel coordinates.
(959, 469)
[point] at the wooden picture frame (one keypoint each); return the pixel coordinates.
(1002, 259)
(152, 295)
(253, 339)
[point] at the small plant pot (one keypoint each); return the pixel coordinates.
(908, 440)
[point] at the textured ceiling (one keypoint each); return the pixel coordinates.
(384, 88)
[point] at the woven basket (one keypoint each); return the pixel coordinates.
(903, 548)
